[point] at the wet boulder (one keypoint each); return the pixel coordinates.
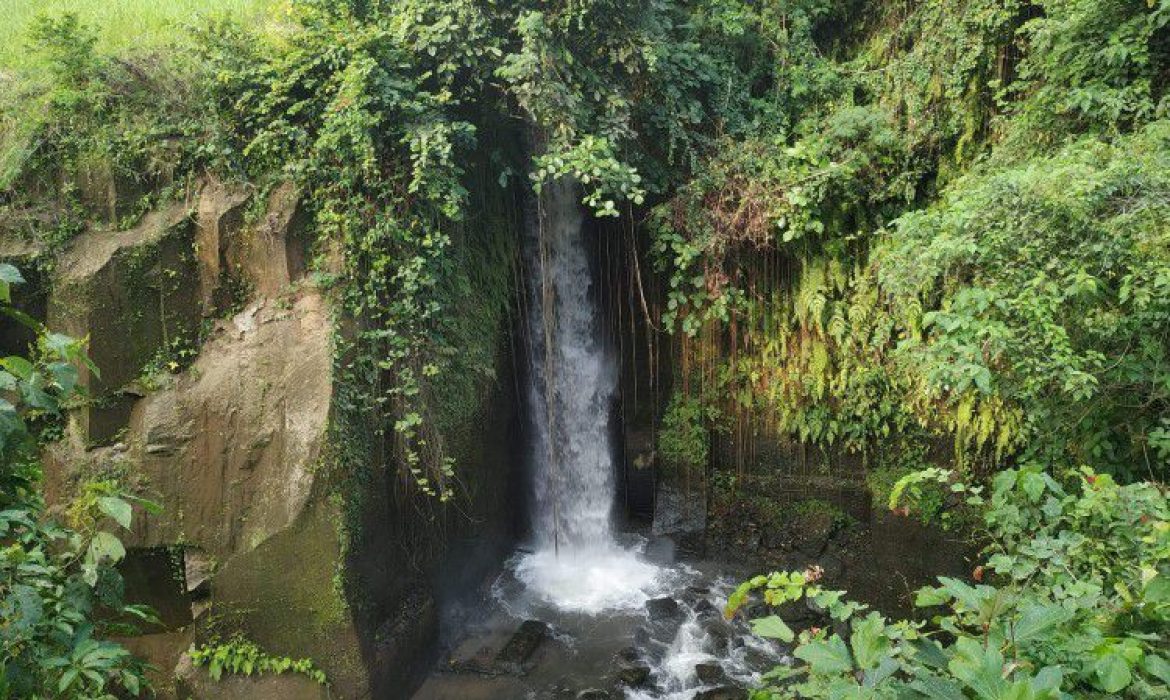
(718, 635)
(663, 609)
(832, 567)
(705, 608)
(633, 674)
(651, 641)
(727, 692)
(629, 654)
(660, 550)
(710, 673)
(759, 661)
(813, 532)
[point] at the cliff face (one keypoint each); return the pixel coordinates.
(216, 399)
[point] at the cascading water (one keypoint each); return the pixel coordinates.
(576, 564)
(607, 609)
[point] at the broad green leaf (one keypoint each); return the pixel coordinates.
(106, 546)
(885, 670)
(826, 657)
(869, 641)
(935, 688)
(10, 274)
(1158, 589)
(981, 668)
(67, 679)
(1113, 672)
(1033, 485)
(117, 509)
(970, 597)
(772, 627)
(18, 366)
(930, 653)
(1048, 680)
(1037, 621)
(1158, 667)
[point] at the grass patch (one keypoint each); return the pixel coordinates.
(124, 25)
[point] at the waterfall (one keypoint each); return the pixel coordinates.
(572, 379)
(573, 382)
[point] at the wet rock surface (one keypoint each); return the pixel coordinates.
(710, 673)
(670, 647)
(634, 674)
(728, 692)
(519, 649)
(663, 609)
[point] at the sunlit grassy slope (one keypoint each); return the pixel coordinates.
(122, 24)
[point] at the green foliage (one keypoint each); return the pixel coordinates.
(819, 509)
(1069, 355)
(127, 23)
(1018, 315)
(908, 458)
(80, 124)
(683, 439)
(1078, 604)
(60, 593)
(240, 656)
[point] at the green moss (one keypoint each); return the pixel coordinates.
(816, 509)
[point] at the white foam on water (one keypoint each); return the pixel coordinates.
(590, 581)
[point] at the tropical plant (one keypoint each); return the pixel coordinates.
(1074, 599)
(60, 593)
(241, 656)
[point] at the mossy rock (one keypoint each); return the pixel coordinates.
(132, 293)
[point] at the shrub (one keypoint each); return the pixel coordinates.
(1074, 598)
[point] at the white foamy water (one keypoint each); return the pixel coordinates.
(590, 580)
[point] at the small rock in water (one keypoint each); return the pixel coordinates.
(634, 674)
(649, 643)
(710, 674)
(520, 647)
(719, 635)
(663, 609)
(727, 692)
(705, 608)
(758, 661)
(629, 654)
(593, 694)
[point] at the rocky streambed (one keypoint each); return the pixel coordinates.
(595, 629)
(664, 640)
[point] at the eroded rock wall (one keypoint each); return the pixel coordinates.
(234, 437)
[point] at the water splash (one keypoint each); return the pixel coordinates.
(577, 565)
(589, 580)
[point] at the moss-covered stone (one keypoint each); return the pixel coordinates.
(133, 294)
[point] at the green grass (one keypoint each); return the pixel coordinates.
(123, 25)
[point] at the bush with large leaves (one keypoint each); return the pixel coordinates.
(1074, 600)
(60, 595)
